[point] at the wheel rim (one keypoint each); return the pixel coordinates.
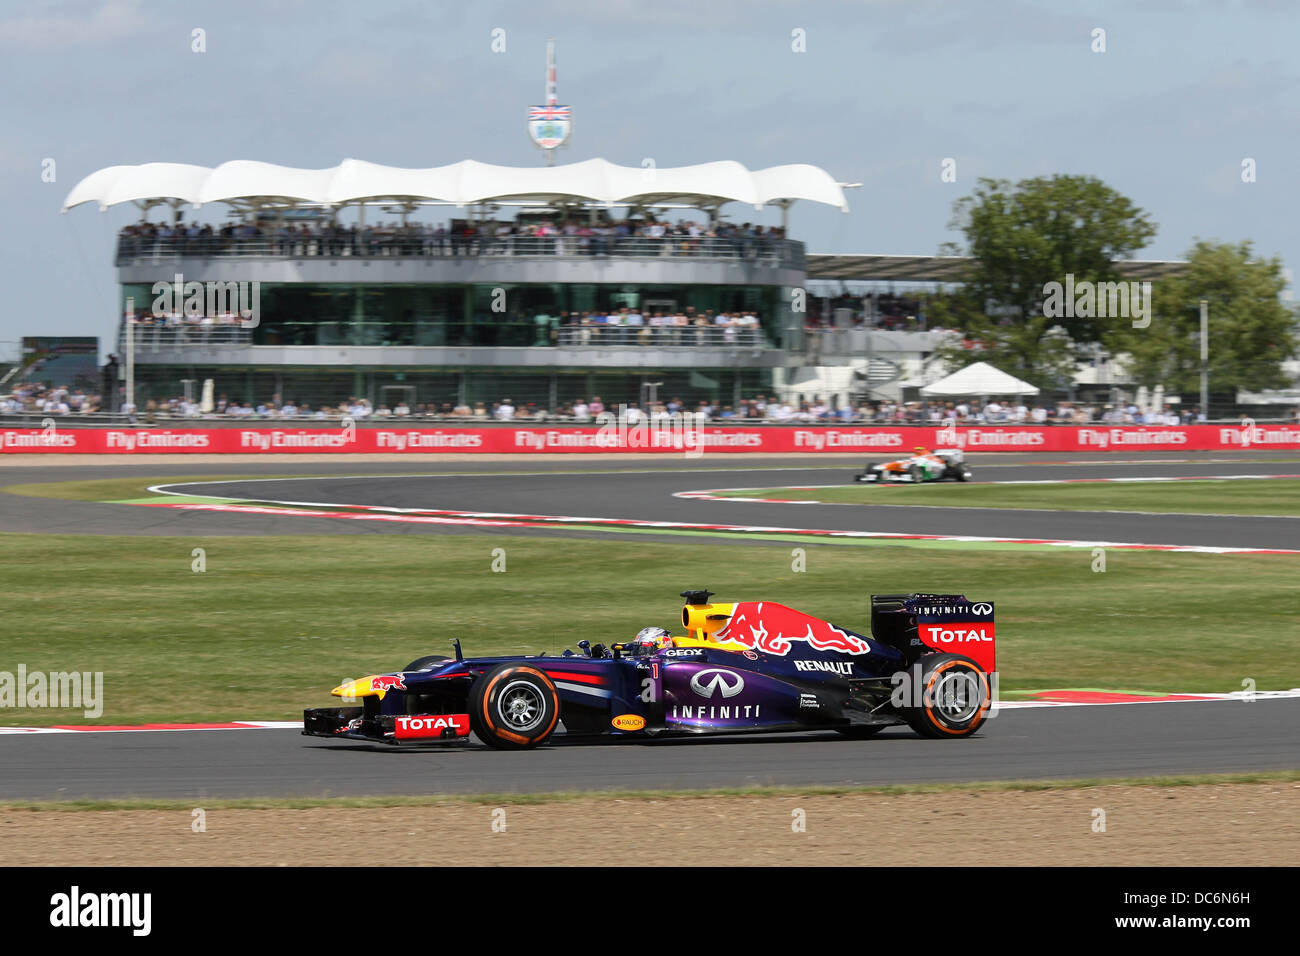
(958, 697)
(521, 706)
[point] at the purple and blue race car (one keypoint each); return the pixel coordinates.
(748, 667)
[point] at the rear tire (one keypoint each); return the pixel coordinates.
(917, 473)
(953, 698)
(513, 707)
(963, 473)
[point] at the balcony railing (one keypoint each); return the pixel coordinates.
(662, 337)
(155, 338)
(784, 253)
(158, 338)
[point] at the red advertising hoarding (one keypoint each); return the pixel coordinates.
(870, 440)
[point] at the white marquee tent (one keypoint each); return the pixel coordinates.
(979, 380)
(595, 181)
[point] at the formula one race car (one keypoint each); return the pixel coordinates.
(749, 667)
(942, 464)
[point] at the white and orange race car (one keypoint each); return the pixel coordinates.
(942, 464)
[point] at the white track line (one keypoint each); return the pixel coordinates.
(1239, 696)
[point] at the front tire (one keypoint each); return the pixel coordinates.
(513, 707)
(918, 475)
(953, 698)
(423, 663)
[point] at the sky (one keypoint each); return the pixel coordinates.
(882, 93)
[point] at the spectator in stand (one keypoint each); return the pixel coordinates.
(597, 407)
(505, 411)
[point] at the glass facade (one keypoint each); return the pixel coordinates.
(391, 314)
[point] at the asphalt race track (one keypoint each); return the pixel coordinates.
(1118, 740)
(643, 490)
(1043, 743)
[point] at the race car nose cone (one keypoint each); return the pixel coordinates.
(376, 685)
(351, 689)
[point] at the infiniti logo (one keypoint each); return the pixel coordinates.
(981, 609)
(707, 683)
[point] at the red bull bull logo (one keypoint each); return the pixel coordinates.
(387, 682)
(773, 629)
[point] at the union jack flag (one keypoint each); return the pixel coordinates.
(548, 112)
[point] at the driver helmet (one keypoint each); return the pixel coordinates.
(921, 450)
(650, 639)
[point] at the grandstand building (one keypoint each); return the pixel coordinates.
(466, 284)
(360, 292)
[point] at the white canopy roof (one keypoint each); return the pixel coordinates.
(463, 183)
(979, 379)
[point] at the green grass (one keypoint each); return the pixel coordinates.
(1279, 496)
(516, 798)
(274, 622)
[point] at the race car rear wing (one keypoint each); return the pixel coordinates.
(920, 623)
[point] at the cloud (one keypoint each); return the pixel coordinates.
(54, 26)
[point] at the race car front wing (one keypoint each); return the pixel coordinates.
(352, 723)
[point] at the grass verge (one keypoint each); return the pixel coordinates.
(274, 622)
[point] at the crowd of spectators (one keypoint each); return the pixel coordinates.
(884, 311)
(1015, 412)
(459, 238)
(631, 326)
(42, 399)
(62, 400)
(176, 319)
(622, 326)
